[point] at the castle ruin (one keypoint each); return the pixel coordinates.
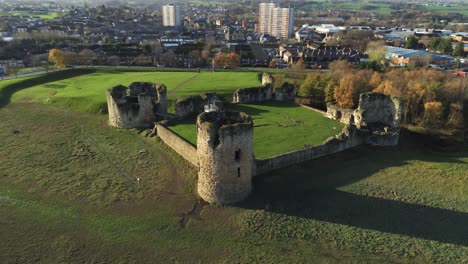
(225, 156)
(377, 114)
(267, 92)
(137, 105)
(224, 152)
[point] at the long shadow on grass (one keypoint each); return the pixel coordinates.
(9, 90)
(310, 191)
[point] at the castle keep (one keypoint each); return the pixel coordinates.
(137, 105)
(224, 152)
(225, 159)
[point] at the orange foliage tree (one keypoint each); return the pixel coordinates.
(433, 112)
(231, 60)
(57, 57)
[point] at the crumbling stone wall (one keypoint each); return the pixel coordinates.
(287, 92)
(349, 137)
(344, 115)
(379, 108)
(178, 144)
(224, 146)
(253, 94)
(197, 104)
(187, 106)
(377, 114)
(136, 106)
(267, 79)
(380, 116)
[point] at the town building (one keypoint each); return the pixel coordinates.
(276, 21)
(171, 15)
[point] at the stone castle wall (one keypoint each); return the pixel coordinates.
(267, 79)
(267, 92)
(136, 106)
(378, 115)
(344, 115)
(225, 147)
(287, 92)
(350, 137)
(187, 106)
(178, 144)
(379, 108)
(253, 94)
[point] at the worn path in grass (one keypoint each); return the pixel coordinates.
(172, 91)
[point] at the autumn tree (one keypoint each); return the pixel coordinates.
(279, 80)
(350, 86)
(339, 68)
(313, 86)
(57, 57)
(231, 60)
(433, 112)
(376, 51)
(329, 91)
(296, 74)
(455, 116)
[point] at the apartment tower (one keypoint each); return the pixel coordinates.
(171, 15)
(276, 21)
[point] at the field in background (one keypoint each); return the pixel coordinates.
(86, 92)
(51, 15)
(379, 7)
(63, 198)
(280, 127)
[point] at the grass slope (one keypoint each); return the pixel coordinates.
(276, 131)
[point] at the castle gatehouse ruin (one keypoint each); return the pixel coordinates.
(224, 152)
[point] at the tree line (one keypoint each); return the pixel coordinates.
(430, 98)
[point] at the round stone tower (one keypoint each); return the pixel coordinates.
(225, 157)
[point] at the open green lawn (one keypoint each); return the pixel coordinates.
(280, 127)
(380, 7)
(51, 15)
(460, 9)
(63, 199)
(84, 89)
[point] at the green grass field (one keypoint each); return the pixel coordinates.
(86, 91)
(380, 7)
(275, 122)
(48, 16)
(64, 200)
